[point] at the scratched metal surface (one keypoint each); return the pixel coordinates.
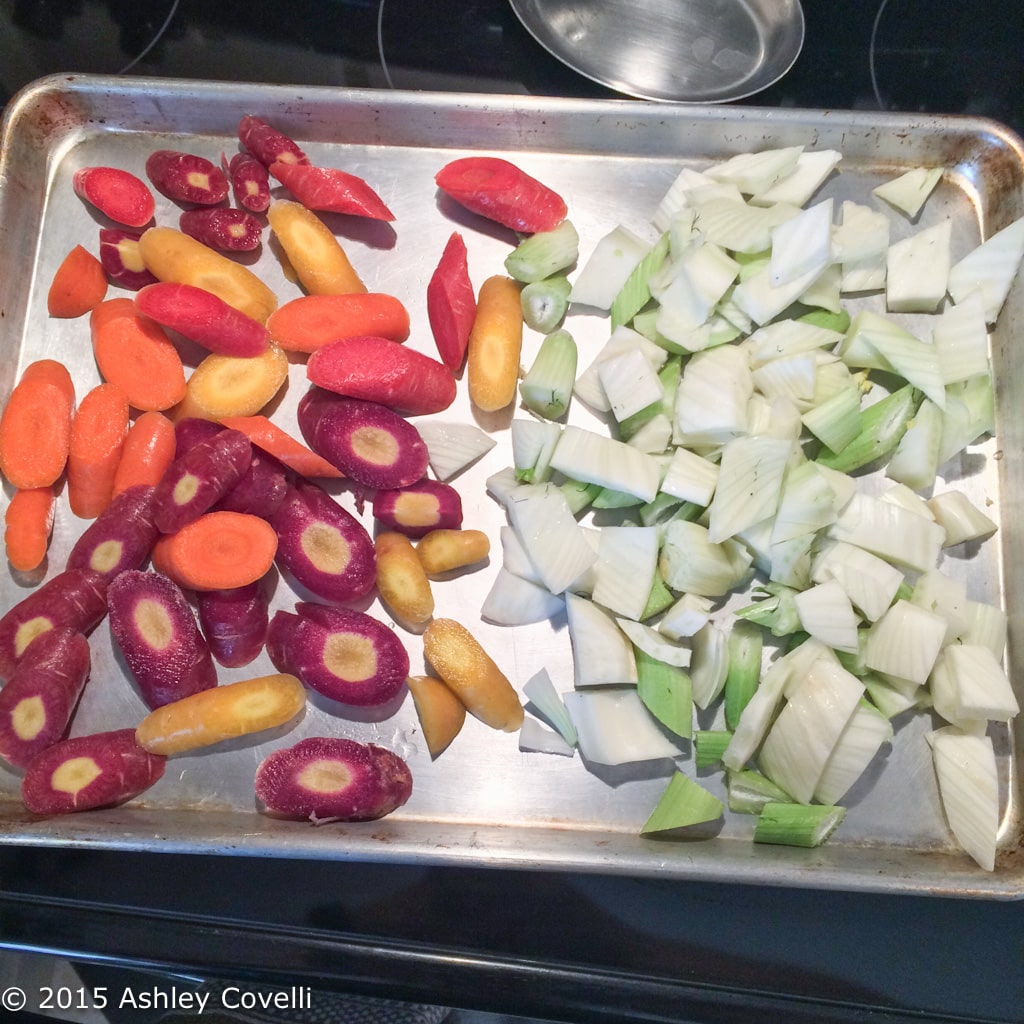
(483, 802)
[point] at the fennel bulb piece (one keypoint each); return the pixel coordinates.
(969, 684)
(870, 582)
(909, 192)
(690, 562)
(749, 485)
(514, 601)
(541, 692)
(615, 728)
(905, 642)
(960, 337)
(827, 615)
(960, 518)
(798, 186)
(755, 173)
(965, 767)
(709, 663)
(630, 383)
(917, 270)
(683, 803)
(867, 731)
(602, 653)
(452, 447)
(627, 560)
(605, 271)
(989, 269)
(786, 824)
(586, 455)
(537, 738)
(802, 244)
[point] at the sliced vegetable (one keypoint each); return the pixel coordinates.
(223, 228)
(683, 803)
(273, 439)
(443, 551)
(234, 622)
(451, 303)
(267, 144)
(222, 386)
(116, 193)
(789, 824)
(187, 177)
(402, 582)
(28, 526)
(156, 632)
(309, 322)
(121, 537)
(333, 779)
(495, 344)
(147, 452)
(98, 431)
(440, 712)
(79, 283)
(317, 257)
(330, 190)
(224, 713)
(121, 256)
(86, 772)
(419, 508)
(250, 181)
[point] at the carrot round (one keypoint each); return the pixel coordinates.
(495, 344)
(79, 283)
(97, 437)
(147, 453)
(222, 713)
(289, 451)
(223, 386)
(133, 352)
(217, 551)
(35, 426)
(312, 321)
(28, 524)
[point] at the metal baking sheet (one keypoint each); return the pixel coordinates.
(483, 802)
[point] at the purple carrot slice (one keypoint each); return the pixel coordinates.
(121, 537)
(122, 260)
(268, 144)
(223, 228)
(187, 177)
(157, 633)
(250, 181)
(333, 778)
(234, 622)
(86, 772)
(419, 508)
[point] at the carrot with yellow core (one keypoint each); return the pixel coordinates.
(171, 255)
(459, 660)
(316, 256)
(222, 713)
(401, 581)
(495, 344)
(224, 386)
(440, 712)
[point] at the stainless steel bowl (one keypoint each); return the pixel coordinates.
(692, 51)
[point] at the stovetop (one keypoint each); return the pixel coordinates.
(906, 55)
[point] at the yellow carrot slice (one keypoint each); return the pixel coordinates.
(440, 712)
(224, 386)
(467, 668)
(495, 344)
(401, 580)
(222, 713)
(316, 256)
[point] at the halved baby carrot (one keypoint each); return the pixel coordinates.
(79, 283)
(223, 386)
(217, 551)
(98, 431)
(320, 263)
(28, 524)
(223, 713)
(312, 321)
(133, 352)
(495, 344)
(276, 441)
(35, 426)
(148, 451)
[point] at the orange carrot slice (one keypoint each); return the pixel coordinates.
(28, 525)
(97, 437)
(35, 426)
(312, 321)
(148, 451)
(217, 551)
(495, 344)
(79, 284)
(266, 434)
(134, 353)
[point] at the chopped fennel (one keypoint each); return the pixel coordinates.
(749, 484)
(666, 692)
(615, 728)
(960, 518)
(601, 652)
(799, 185)
(545, 303)
(917, 270)
(909, 191)
(451, 447)
(709, 663)
(960, 337)
(709, 745)
(655, 644)
(685, 616)
(548, 385)
(862, 234)
(864, 735)
(627, 560)
(533, 442)
(789, 824)
(745, 647)
(905, 642)
(748, 791)
(630, 383)
(827, 614)
(990, 269)
(915, 459)
(537, 738)
(589, 456)
(755, 173)
(514, 601)
(802, 244)
(607, 268)
(968, 683)
(544, 254)
(541, 692)
(965, 767)
(683, 803)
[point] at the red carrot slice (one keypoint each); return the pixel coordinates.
(147, 452)
(217, 551)
(322, 546)
(122, 258)
(368, 442)
(118, 194)
(330, 778)
(121, 536)
(451, 303)
(331, 190)
(309, 322)
(187, 177)
(385, 372)
(417, 509)
(198, 479)
(79, 283)
(234, 622)
(37, 702)
(268, 144)
(501, 191)
(249, 179)
(35, 427)
(134, 352)
(157, 633)
(75, 598)
(202, 317)
(223, 228)
(276, 441)
(28, 525)
(87, 772)
(346, 655)
(98, 431)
